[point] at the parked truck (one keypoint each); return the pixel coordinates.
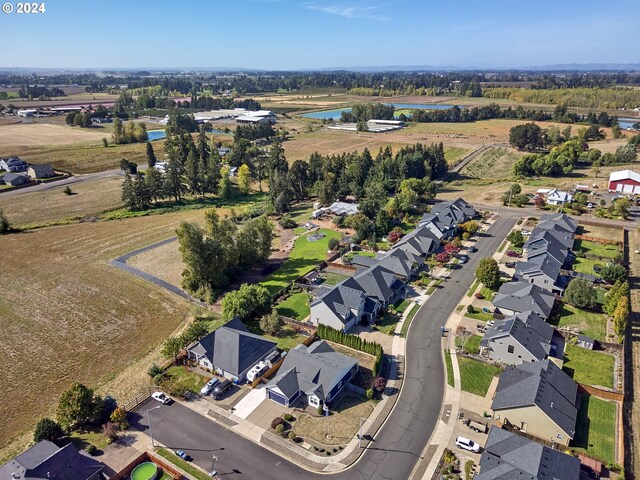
(476, 426)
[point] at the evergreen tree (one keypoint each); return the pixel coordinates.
(192, 173)
(225, 184)
(212, 174)
(128, 192)
(118, 131)
(202, 144)
(155, 186)
(173, 179)
(151, 156)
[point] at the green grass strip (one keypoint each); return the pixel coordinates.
(178, 462)
(407, 321)
(472, 288)
(449, 363)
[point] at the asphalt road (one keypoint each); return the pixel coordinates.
(399, 443)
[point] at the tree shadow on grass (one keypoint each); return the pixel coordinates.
(581, 439)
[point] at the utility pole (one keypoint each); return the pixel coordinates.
(149, 422)
(213, 463)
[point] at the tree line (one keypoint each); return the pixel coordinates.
(215, 255)
(353, 341)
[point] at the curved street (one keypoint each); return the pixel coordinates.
(398, 445)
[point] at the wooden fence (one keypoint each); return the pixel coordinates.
(340, 266)
(602, 393)
(263, 378)
(603, 241)
(307, 327)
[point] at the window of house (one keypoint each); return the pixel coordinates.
(559, 436)
(546, 281)
(510, 349)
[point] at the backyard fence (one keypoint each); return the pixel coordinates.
(137, 401)
(602, 393)
(148, 457)
(307, 327)
(603, 241)
(342, 267)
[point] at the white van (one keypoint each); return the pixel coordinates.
(256, 371)
(467, 444)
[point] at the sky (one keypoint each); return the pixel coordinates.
(314, 34)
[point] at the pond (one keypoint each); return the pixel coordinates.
(627, 122)
(335, 114)
(156, 135)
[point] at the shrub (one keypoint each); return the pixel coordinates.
(47, 429)
(466, 236)
(511, 253)
(276, 421)
(67, 190)
(287, 222)
(580, 293)
(119, 416)
(292, 436)
(91, 449)
(369, 393)
(470, 309)
(280, 429)
(468, 467)
(288, 417)
(320, 410)
(154, 370)
(5, 227)
(479, 296)
(272, 323)
(379, 384)
(110, 431)
(488, 273)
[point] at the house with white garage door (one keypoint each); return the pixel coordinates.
(315, 375)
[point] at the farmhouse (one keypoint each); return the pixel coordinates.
(45, 460)
(13, 165)
(230, 350)
(624, 181)
(538, 398)
(44, 170)
(522, 338)
(508, 455)
(15, 179)
(314, 374)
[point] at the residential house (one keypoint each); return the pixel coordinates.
(404, 264)
(543, 271)
(377, 283)
(13, 165)
(45, 460)
(44, 170)
(518, 297)
(553, 250)
(538, 398)
(562, 240)
(520, 338)
(558, 220)
(460, 210)
(313, 375)
(507, 455)
(231, 350)
(554, 196)
(15, 179)
(422, 241)
(342, 307)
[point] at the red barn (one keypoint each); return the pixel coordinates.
(624, 181)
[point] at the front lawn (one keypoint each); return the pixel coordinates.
(598, 249)
(304, 257)
(589, 367)
(588, 323)
(296, 306)
(401, 305)
(473, 287)
(472, 345)
(596, 428)
(181, 378)
(475, 376)
(387, 323)
(481, 316)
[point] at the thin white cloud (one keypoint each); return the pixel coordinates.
(363, 10)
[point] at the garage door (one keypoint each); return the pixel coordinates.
(619, 187)
(628, 188)
(276, 397)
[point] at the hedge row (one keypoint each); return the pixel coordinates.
(353, 341)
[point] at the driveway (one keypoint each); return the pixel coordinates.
(250, 402)
(397, 446)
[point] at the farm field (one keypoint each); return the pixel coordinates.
(53, 206)
(41, 134)
(494, 163)
(164, 262)
(75, 317)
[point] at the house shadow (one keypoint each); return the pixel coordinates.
(581, 438)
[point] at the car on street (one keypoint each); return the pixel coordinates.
(463, 259)
(183, 455)
(491, 323)
(472, 249)
(206, 390)
(161, 397)
(590, 205)
(467, 444)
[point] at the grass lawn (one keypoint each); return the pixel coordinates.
(589, 323)
(82, 438)
(363, 253)
(184, 378)
(299, 230)
(286, 339)
(473, 287)
(401, 305)
(449, 364)
(187, 467)
(387, 323)
(475, 376)
(472, 345)
(501, 247)
(453, 154)
(609, 251)
(332, 278)
(482, 316)
(585, 265)
(342, 423)
(303, 258)
(589, 367)
(296, 306)
(487, 293)
(596, 428)
(407, 320)
(434, 286)
(600, 293)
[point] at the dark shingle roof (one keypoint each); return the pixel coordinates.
(543, 264)
(562, 239)
(528, 329)
(560, 219)
(507, 456)
(524, 296)
(232, 347)
(315, 369)
(542, 384)
(376, 282)
(341, 299)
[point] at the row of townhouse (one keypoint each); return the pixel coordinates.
(534, 394)
(382, 281)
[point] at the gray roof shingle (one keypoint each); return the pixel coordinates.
(524, 296)
(544, 385)
(528, 329)
(507, 456)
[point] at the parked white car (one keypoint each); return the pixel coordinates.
(161, 397)
(467, 444)
(256, 371)
(206, 390)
